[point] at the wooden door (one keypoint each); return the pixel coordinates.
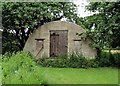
(58, 42)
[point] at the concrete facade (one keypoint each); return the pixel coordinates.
(75, 43)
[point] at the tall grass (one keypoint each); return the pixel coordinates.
(20, 69)
(75, 60)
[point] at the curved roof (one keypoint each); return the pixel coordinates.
(43, 33)
(62, 23)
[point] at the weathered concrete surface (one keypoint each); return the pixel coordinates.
(43, 32)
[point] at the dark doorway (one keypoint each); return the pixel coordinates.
(58, 42)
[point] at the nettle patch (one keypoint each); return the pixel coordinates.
(74, 60)
(20, 68)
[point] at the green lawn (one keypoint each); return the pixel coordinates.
(79, 76)
(22, 70)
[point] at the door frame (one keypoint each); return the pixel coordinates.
(50, 41)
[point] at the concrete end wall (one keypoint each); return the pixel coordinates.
(43, 32)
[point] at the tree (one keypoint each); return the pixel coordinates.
(104, 26)
(21, 19)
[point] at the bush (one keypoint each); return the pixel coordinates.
(20, 68)
(93, 63)
(77, 60)
(107, 59)
(116, 59)
(104, 60)
(73, 60)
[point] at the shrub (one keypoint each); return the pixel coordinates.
(76, 60)
(116, 59)
(73, 60)
(20, 68)
(93, 63)
(108, 59)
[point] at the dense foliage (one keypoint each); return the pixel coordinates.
(71, 61)
(20, 69)
(104, 25)
(106, 59)
(20, 19)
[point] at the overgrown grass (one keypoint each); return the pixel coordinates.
(75, 60)
(20, 68)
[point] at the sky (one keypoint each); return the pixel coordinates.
(81, 8)
(82, 12)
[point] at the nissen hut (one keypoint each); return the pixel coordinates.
(58, 38)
